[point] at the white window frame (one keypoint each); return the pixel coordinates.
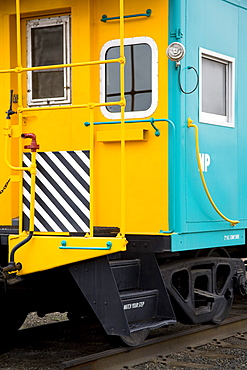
(154, 101)
(44, 22)
(217, 119)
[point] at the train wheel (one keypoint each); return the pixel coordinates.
(201, 289)
(222, 273)
(213, 252)
(136, 338)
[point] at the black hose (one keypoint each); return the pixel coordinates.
(179, 80)
(20, 245)
(12, 265)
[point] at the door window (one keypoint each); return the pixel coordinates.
(48, 43)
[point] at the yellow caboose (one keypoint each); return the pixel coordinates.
(94, 170)
(83, 83)
(57, 103)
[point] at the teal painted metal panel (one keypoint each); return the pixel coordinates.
(204, 29)
(176, 22)
(241, 111)
(201, 240)
(219, 26)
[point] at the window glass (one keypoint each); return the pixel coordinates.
(217, 88)
(214, 91)
(138, 77)
(113, 70)
(142, 60)
(140, 82)
(48, 44)
(142, 101)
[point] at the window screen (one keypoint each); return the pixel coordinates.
(48, 44)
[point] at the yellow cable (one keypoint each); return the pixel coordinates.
(190, 124)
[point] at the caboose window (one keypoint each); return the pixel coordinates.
(48, 43)
(140, 77)
(217, 88)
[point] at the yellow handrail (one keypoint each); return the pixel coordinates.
(21, 69)
(190, 124)
(7, 161)
(71, 106)
(32, 170)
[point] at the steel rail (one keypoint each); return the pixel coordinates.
(116, 359)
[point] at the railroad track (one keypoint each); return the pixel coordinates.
(156, 350)
(67, 346)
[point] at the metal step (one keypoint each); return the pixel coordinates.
(141, 305)
(99, 231)
(7, 230)
(127, 295)
(126, 273)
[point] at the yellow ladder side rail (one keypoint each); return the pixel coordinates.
(20, 93)
(122, 107)
(32, 191)
(232, 222)
(19, 61)
(91, 140)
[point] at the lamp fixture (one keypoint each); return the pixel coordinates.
(175, 52)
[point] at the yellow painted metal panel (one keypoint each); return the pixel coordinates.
(42, 253)
(9, 195)
(16, 178)
(146, 183)
(130, 135)
(16, 131)
(146, 162)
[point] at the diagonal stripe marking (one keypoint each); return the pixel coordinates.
(67, 209)
(64, 186)
(83, 226)
(54, 209)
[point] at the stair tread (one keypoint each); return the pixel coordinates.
(116, 263)
(136, 294)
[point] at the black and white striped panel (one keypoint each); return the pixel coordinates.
(62, 191)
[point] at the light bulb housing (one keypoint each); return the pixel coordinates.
(175, 51)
